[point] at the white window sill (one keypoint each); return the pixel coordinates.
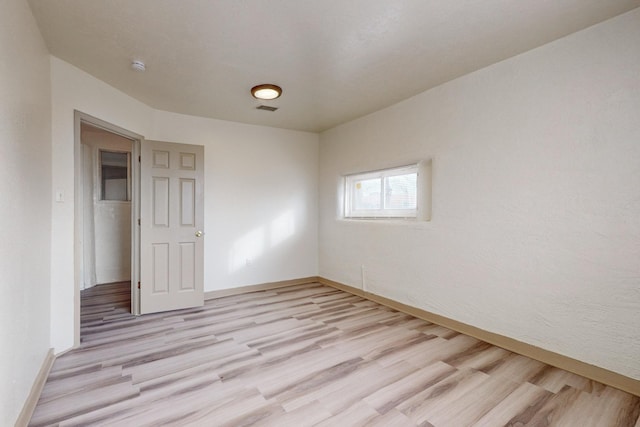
(406, 222)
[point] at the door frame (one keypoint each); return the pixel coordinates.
(78, 247)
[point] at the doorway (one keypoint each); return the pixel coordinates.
(163, 193)
(106, 187)
(107, 212)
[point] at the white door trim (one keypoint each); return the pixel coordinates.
(79, 118)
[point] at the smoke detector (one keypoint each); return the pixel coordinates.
(138, 66)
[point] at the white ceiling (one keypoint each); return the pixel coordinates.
(336, 60)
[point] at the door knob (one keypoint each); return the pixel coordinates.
(199, 233)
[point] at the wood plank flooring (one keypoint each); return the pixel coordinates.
(304, 355)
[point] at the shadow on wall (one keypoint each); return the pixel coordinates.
(255, 243)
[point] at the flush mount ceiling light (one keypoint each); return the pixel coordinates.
(138, 66)
(266, 91)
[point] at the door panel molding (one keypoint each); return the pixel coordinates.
(172, 220)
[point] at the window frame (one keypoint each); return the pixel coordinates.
(350, 211)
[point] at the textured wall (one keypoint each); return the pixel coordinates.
(535, 230)
(25, 210)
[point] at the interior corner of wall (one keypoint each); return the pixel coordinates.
(425, 185)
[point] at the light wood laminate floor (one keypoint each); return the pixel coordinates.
(301, 356)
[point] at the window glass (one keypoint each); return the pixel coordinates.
(114, 175)
(388, 193)
(400, 191)
(367, 194)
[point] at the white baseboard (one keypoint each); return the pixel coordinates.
(561, 361)
(36, 390)
(259, 287)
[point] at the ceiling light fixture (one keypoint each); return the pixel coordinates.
(266, 91)
(138, 66)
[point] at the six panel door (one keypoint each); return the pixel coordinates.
(171, 228)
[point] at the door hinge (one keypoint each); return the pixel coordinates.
(139, 157)
(138, 221)
(138, 285)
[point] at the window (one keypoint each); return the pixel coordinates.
(114, 176)
(388, 193)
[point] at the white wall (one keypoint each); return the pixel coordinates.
(535, 230)
(260, 191)
(25, 211)
(107, 223)
(74, 89)
(261, 199)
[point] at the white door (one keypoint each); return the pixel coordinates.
(171, 226)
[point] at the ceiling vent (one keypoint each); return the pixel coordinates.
(266, 108)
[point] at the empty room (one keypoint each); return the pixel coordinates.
(331, 213)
